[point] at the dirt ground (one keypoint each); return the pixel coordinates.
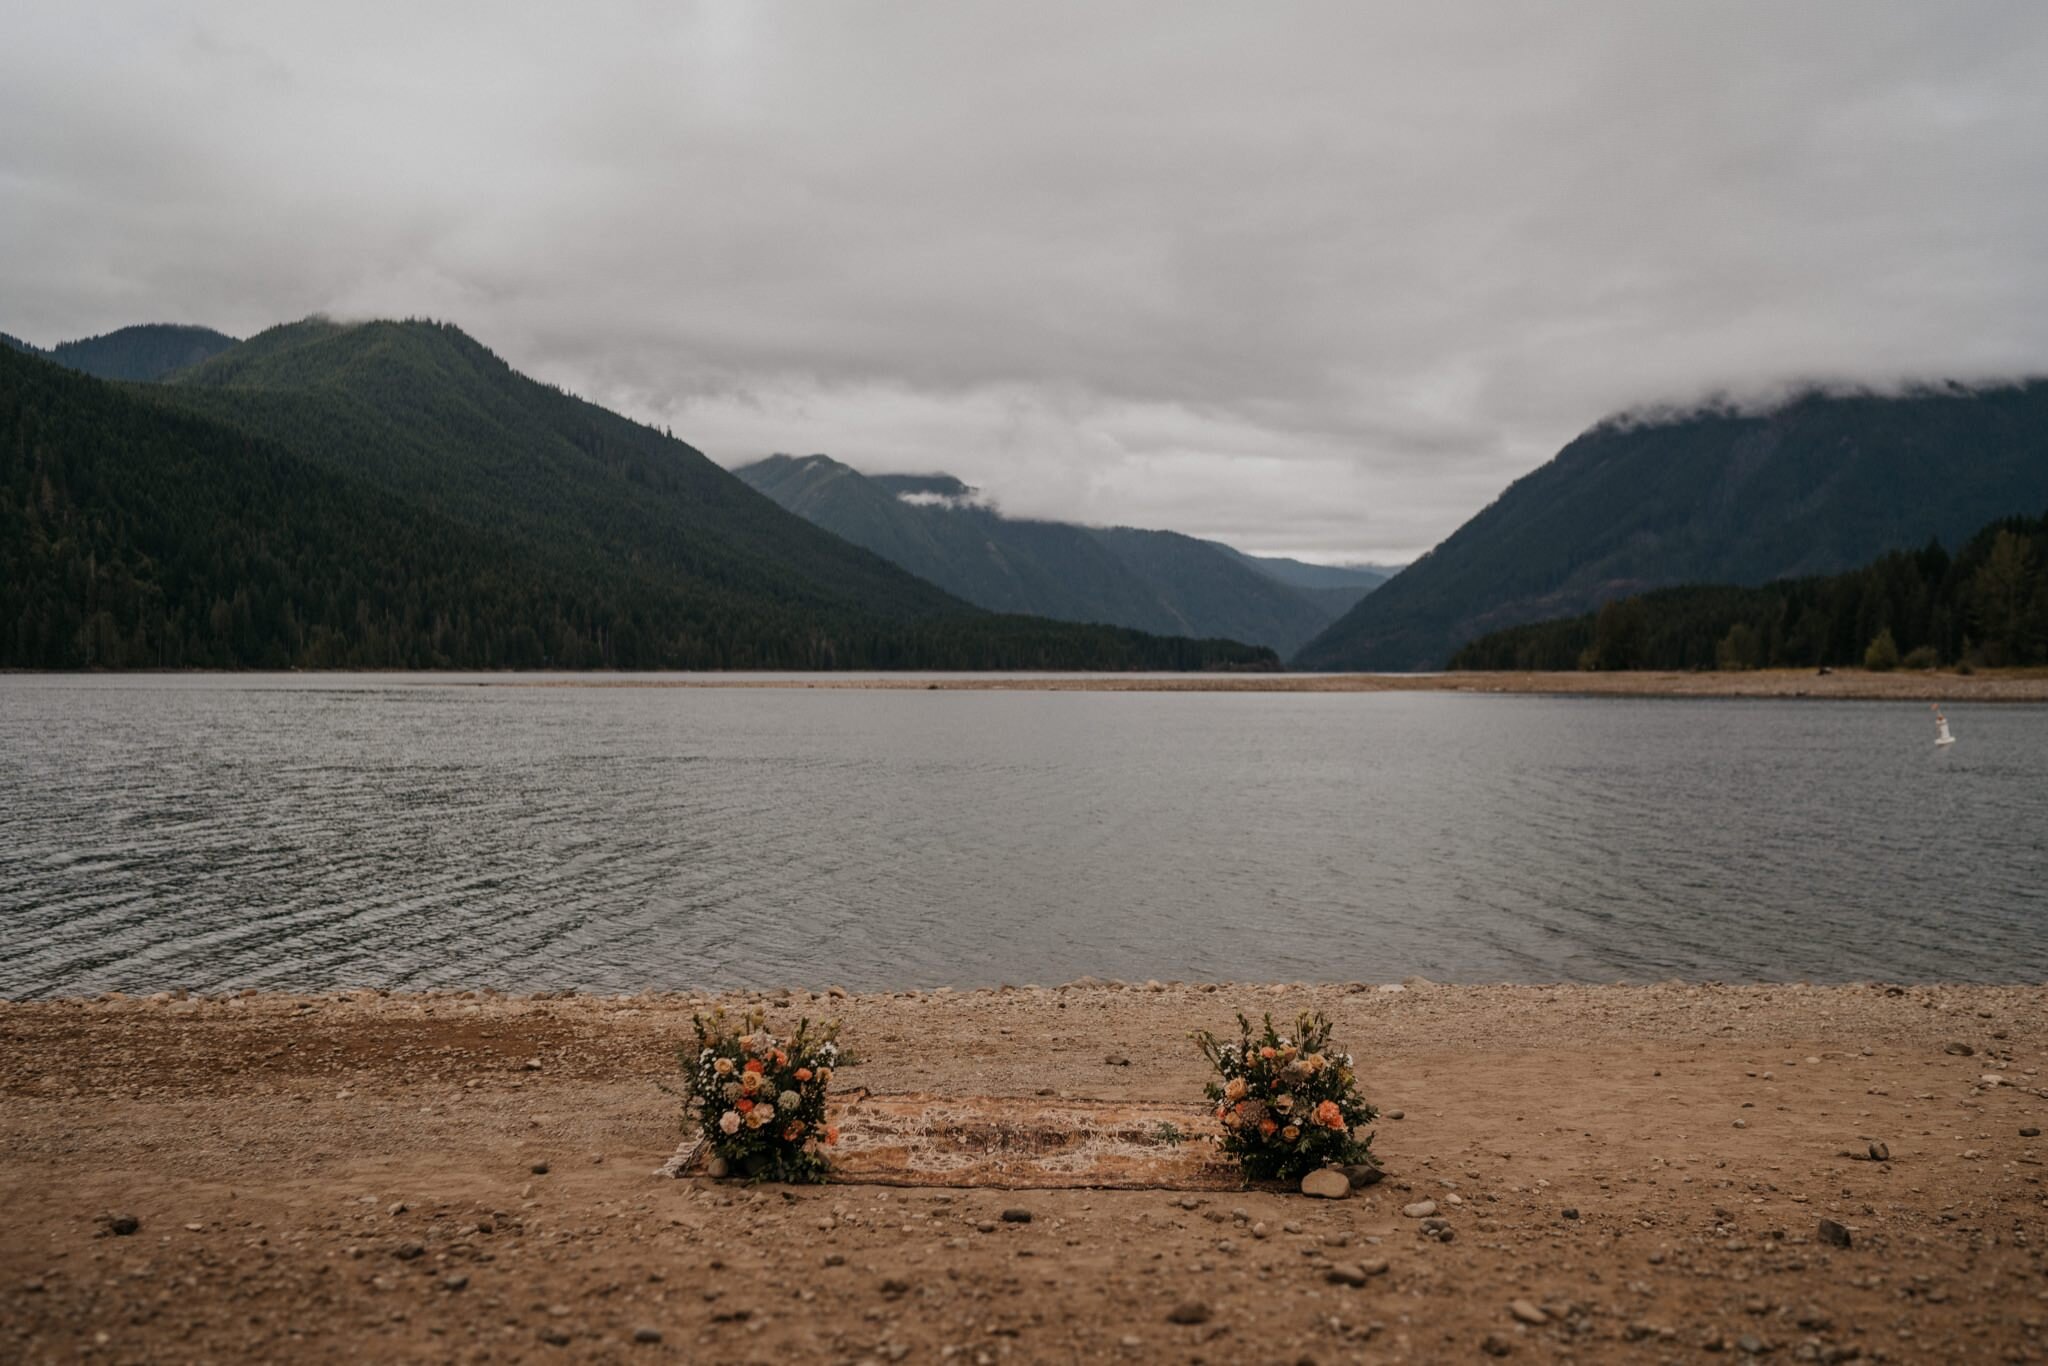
(458, 1177)
(1985, 685)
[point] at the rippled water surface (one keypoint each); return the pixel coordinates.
(308, 832)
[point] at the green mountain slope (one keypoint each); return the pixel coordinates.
(1156, 581)
(1818, 486)
(1988, 605)
(134, 533)
(151, 351)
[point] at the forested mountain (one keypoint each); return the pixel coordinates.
(150, 351)
(1822, 484)
(1158, 581)
(1986, 605)
(135, 532)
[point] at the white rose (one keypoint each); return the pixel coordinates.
(729, 1122)
(789, 1100)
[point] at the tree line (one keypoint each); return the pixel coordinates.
(1986, 605)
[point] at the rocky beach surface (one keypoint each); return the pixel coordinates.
(1633, 1173)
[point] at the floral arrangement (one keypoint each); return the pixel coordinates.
(760, 1100)
(1287, 1105)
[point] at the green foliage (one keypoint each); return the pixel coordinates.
(395, 515)
(1815, 488)
(1986, 604)
(1287, 1105)
(1739, 649)
(149, 352)
(760, 1101)
(1883, 654)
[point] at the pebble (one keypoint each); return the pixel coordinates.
(718, 1169)
(1570, 1213)
(647, 1335)
(120, 1225)
(1421, 1209)
(1363, 1174)
(985, 1226)
(1959, 1049)
(1526, 1312)
(1016, 1215)
(1326, 1183)
(539, 1169)
(455, 1282)
(406, 1252)
(1356, 1273)
(1397, 1114)
(1834, 1233)
(2030, 1132)
(1188, 1311)
(1496, 1345)
(1116, 1060)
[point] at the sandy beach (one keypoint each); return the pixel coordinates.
(1986, 685)
(1627, 1174)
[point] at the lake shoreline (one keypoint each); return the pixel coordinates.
(2011, 685)
(443, 1174)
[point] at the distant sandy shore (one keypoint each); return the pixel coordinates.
(1992, 685)
(1629, 1174)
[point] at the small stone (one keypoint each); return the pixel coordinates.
(1742, 1124)
(120, 1225)
(1526, 1312)
(1751, 1344)
(1880, 1152)
(539, 1169)
(554, 1337)
(1016, 1215)
(396, 1208)
(1346, 1273)
(1834, 1233)
(1188, 1311)
(718, 1169)
(532, 1064)
(1959, 1049)
(455, 1282)
(1421, 1209)
(1397, 1114)
(894, 1286)
(1116, 1060)
(647, 1336)
(1496, 1345)
(2030, 1132)
(1570, 1213)
(1363, 1174)
(985, 1226)
(835, 1259)
(1326, 1183)
(407, 1252)
(1259, 1229)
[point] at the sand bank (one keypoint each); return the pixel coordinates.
(1646, 1167)
(1999, 685)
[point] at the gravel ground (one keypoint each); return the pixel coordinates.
(1625, 1174)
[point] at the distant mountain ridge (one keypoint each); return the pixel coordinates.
(937, 527)
(394, 495)
(146, 352)
(1820, 485)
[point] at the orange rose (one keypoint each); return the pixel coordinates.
(1291, 1132)
(754, 1065)
(1329, 1116)
(743, 1106)
(1267, 1053)
(793, 1132)
(831, 1133)
(781, 1058)
(803, 1074)
(1267, 1128)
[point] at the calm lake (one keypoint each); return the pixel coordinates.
(305, 832)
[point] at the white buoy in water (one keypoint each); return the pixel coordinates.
(1941, 735)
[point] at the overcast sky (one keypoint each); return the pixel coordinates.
(1315, 279)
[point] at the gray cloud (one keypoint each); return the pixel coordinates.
(1318, 279)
